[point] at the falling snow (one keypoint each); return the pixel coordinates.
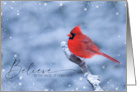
(118, 54)
(97, 6)
(4, 3)
(116, 88)
(3, 70)
(28, 16)
(77, 88)
(15, 55)
(46, 90)
(11, 7)
(20, 77)
(20, 84)
(103, 67)
(117, 13)
(18, 14)
(10, 37)
(80, 78)
(85, 9)
(45, 4)
(84, 87)
(119, 36)
(61, 4)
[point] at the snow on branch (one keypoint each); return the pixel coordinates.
(92, 79)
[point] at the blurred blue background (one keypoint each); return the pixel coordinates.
(33, 30)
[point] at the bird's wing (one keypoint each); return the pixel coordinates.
(89, 44)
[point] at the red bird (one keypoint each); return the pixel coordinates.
(82, 46)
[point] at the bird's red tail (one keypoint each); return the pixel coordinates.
(110, 58)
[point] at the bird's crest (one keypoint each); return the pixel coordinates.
(76, 30)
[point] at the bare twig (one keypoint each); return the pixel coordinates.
(92, 79)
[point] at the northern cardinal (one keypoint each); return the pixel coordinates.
(82, 46)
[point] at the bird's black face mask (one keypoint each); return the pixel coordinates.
(73, 35)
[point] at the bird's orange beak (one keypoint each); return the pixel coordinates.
(69, 35)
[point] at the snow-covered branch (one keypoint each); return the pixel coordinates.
(92, 79)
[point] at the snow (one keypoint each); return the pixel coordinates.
(4, 3)
(76, 88)
(61, 4)
(20, 78)
(18, 14)
(11, 7)
(3, 70)
(10, 37)
(46, 90)
(80, 78)
(15, 55)
(103, 67)
(84, 87)
(33, 32)
(85, 9)
(97, 6)
(20, 84)
(45, 4)
(117, 13)
(119, 55)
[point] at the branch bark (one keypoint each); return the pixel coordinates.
(92, 79)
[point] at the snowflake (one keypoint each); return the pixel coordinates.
(69, 85)
(18, 14)
(61, 4)
(77, 88)
(124, 42)
(116, 88)
(33, 83)
(125, 5)
(11, 7)
(108, 82)
(46, 90)
(20, 77)
(3, 70)
(71, 90)
(39, 3)
(80, 78)
(10, 37)
(20, 84)
(15, 55)
(4, 3)
(97, 6)
(51, 89)
(103, 67)
(13, 1)
(119, 36)
(85, 9)
(118, 54)
(117, 13)
(17, 10)
(45, 4)
(84, 87)
(1, 14)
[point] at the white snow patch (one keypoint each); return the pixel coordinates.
(15, 55)
(85, 9)
(61, 4)
(117, 13)
(45, 4)
(20, 84)
(80, 78)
